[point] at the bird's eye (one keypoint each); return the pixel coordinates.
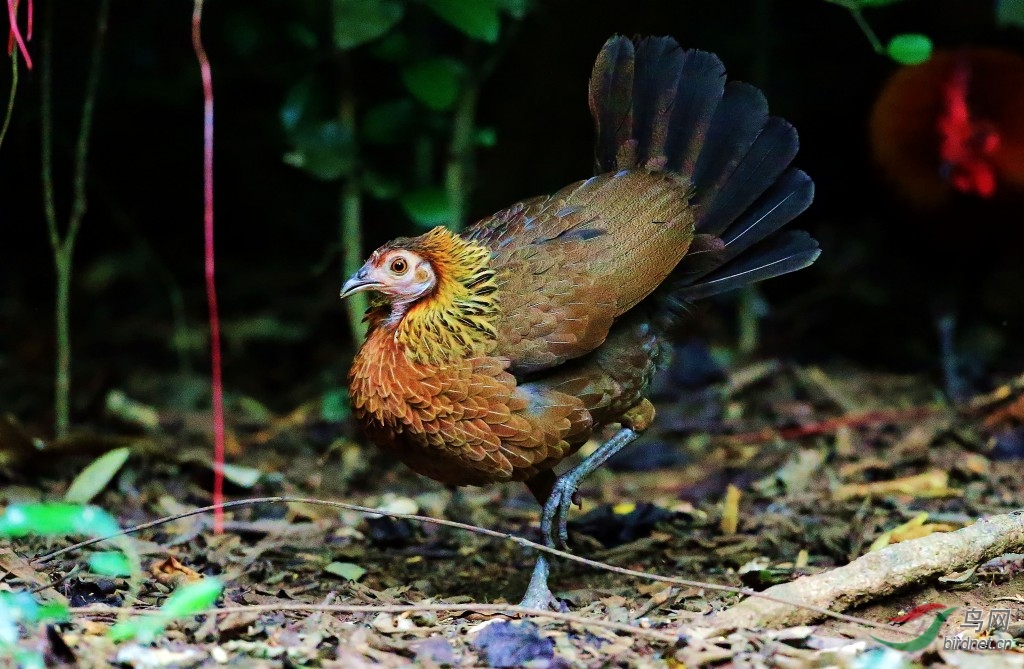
(398, 266)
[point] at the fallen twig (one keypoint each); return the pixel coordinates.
(876, 574)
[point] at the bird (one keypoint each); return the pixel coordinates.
(952, 128)
(948, 138)
(495, 354)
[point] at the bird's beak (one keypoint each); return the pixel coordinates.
(359, 282)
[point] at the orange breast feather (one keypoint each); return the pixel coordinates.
(465, 422)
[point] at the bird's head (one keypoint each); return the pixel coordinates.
(441, 293)
(401, 274)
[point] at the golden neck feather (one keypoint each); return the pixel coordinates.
(456, 320)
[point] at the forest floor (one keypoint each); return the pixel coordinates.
(771, 473)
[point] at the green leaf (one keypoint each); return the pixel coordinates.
(334, 407)
(388, 123)
(193, 598)
(110, 563)
(55, 611)
(910, 48)
(1010, 13)
(187, 600)
(297, 104)
(359, 21)
(380, 186)
(427, 206)
(325, 150)
(435, 82)
(517, 9)
(486, 137)
(56, 519)
(346, 570)
(394, 47)
(476, 18)
(94, 478)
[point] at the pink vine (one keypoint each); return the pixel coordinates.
(211, 286)
(14, 36)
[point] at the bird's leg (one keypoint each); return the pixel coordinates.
(563, 493)
(956, 387)
(561, 499)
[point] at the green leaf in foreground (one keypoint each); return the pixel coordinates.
(97, 476)
(910, 48)
(187, 600)
(56, 519)
(111, 563)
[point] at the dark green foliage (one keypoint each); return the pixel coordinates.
(359, 21)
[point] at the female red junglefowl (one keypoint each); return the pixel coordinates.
(495, 354)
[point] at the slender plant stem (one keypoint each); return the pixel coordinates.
(63, 246)
(217, 380)
(350, 213)
(458, 170)
(868, 31)
(351, 254)
(10, 99)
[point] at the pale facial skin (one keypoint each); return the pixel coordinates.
(404, 276)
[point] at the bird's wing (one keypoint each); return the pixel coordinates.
(568, 265)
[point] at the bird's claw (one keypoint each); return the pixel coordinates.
(563, 496)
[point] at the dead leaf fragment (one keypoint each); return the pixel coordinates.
(933, 483)
(172, 573)
(731, 511)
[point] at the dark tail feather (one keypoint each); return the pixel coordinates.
(784, 253)
(657, 106)
(653, 104)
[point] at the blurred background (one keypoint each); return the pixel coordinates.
(386, 118)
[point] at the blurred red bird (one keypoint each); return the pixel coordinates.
(948, 135)
(953, 125)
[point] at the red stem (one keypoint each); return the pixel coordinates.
(15, 34)
(211, 286)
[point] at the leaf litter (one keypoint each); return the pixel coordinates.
(768, 475)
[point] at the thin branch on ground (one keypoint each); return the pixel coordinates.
(525, 543)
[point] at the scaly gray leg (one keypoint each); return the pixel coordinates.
(538, 596)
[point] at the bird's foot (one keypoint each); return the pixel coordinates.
(538, 596)
(563, 496)
(564, 493)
